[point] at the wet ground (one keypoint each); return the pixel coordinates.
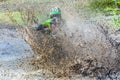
(16, 58)
(15, 55)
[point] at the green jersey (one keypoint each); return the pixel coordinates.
(48, 22)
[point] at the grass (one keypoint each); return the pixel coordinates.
(100, 5)
(14, 16)
(116, 22)
(10, 17)
(108, 8)
(6, 17)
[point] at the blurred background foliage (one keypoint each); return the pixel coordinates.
(108, 8)
(26, 12)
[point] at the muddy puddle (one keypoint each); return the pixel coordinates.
(15, 55)
(17, 58)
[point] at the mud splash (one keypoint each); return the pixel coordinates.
(81, 48)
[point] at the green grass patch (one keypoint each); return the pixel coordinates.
(116, 22)
(8, 17)
(108, 8)
(100, 5)
(16, 18)
(4, 18)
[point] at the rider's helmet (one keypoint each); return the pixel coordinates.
(55, 12)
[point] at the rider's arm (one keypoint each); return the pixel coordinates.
(39, 27)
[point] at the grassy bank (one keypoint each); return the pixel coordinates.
(108, 8)
(10, 16)
(20, 18)
(26, 11)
